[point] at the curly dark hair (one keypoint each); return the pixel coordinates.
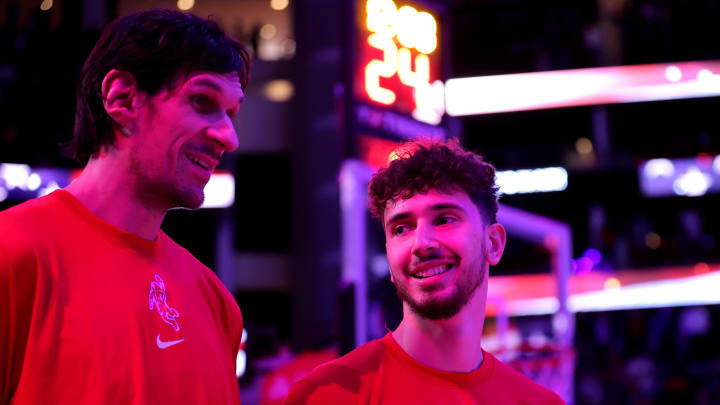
(422, 165)
(157, 47)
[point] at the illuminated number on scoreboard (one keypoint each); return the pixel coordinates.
(385, 68)
(413, 30)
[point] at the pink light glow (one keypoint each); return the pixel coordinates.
(534, 294)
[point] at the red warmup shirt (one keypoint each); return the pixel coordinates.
(91, 314)
(380, 372)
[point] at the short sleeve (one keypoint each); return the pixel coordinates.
(18, 279)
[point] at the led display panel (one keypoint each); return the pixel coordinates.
(398, 59)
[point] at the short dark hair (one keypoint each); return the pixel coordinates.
(157, 47)
(422, 165)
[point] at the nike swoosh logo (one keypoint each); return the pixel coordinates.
(165, 345)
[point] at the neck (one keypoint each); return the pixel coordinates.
(103, 188)
(450, 344)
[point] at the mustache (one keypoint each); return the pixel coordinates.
(432, 255)
(206, 149)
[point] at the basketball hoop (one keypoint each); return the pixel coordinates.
(550, 365)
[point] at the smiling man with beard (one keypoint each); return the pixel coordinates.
(438, 205)
(97, 304)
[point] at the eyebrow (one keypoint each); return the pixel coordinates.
(437, 207)
(208, 83)
(397, 217)
(445, 206)
(214, 86)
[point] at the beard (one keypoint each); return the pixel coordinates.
(445, 307)
(162, 192)
(186, 197)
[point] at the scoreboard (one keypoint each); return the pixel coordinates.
(397, 71)
(399, 60)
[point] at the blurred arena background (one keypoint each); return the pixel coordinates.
(600, 116)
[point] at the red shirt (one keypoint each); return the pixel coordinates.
(380, 372)
(276, 384)
(91, 314)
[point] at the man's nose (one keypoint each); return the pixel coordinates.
(425, 240)
(223, 132)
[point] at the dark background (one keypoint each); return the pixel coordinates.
(286, 217)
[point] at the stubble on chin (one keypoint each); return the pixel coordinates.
(440, 308)
(450, 305)
(188, 198)
(166, 195)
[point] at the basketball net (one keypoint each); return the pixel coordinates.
(549, 365)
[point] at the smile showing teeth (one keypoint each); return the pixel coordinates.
(198, 162)
(433, 271)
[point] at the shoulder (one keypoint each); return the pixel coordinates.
(26, 217)
(522, 386)
(23, 241)
(29, 208)
(29, 226)
(341, 380)
(24, 226)
(307, 393)
(363, 360)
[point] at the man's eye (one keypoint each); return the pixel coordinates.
(446, 219)
(203, 103)
(400, 229)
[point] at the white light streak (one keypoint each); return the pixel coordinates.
(526, 91)
(673, 73)
(576, 87)
(241, 362)
(704, 75)
(659, 168)
(532, 181)
(15, 175)
(34, 182)
(219, 191)
(692, 290)
(696, 290)
(533, 306)
(692, 183)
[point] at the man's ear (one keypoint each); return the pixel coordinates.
(120, 92)
(496, 239)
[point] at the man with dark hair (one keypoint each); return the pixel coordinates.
(437, 204)
(97, 304)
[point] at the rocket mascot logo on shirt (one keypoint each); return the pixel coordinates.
(158, 299)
